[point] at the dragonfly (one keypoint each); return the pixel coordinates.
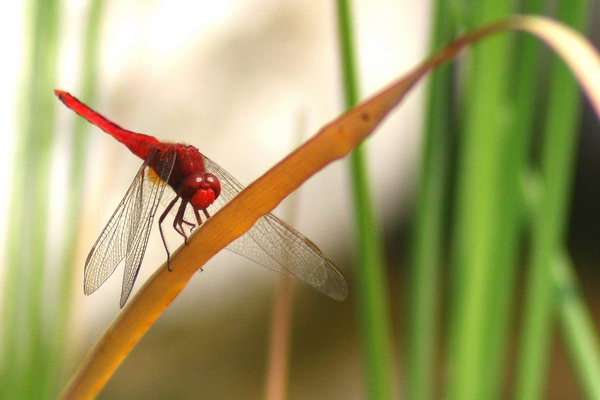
(197, 188)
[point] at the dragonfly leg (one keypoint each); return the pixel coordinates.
(178, 221)
(162, 234)
(191, 225)
(198, 218)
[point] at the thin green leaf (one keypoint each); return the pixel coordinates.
(372, 293)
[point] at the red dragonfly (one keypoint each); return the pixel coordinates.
(201, 187)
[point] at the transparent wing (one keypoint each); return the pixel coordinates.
(125, 236)
(275, 245)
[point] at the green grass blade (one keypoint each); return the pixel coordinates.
(371, 289)
(577, 328)
(24, 344)
(522, 99)
(549, 216)
(423, 283)
(481, 230)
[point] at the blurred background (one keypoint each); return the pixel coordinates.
(241, 80)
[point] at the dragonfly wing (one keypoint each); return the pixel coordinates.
(279, 247)
(127, 229)
(112, 245)
(147, 199)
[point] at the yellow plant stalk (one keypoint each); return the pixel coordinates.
(334, 141)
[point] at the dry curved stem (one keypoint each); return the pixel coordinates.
(334, 141)
(279, 347)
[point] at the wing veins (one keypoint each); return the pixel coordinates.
(135, 255)
(282, 248)
(104, 258)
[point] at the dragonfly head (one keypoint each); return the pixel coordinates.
(201, 189)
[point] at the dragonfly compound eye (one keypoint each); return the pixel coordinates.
(214, 183)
